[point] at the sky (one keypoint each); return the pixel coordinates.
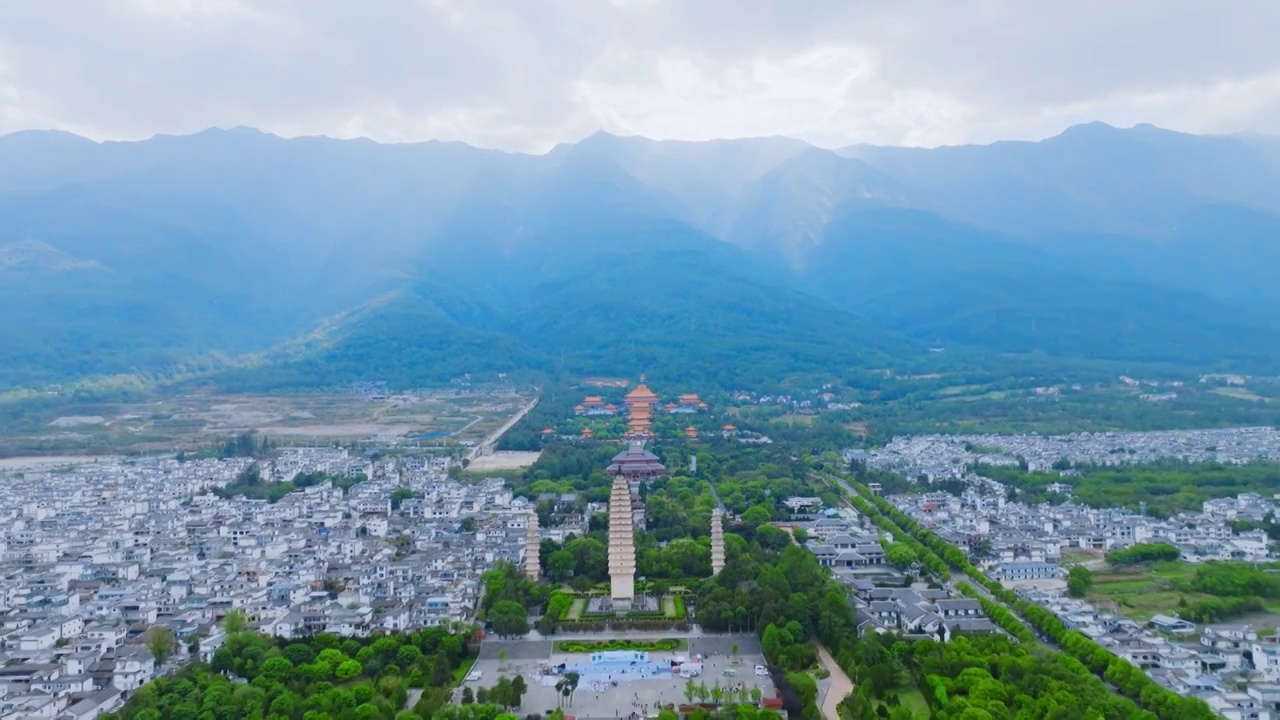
(527, 74)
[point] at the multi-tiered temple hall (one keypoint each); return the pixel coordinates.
(636, 464)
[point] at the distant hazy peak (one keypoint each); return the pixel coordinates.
(45, 138)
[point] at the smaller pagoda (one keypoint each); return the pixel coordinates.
(717, 541)
(532, 546)
(636, 464)
(586, 433)
(691, 432)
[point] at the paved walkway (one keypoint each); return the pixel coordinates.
(840, 686)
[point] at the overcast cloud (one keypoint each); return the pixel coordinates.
(525, 74)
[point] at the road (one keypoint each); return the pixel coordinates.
(956, 577)
(840, 685)
(486, 446)
(839, 688)
(950, 585)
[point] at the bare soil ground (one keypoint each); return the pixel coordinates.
(21, 463)
(202, 420)
(506, 460)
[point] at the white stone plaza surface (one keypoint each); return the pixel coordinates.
(620, 689)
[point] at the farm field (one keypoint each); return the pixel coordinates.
(201, 420)
(1142, 591)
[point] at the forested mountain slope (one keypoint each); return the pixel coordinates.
(334, 260)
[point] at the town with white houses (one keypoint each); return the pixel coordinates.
(1235, 668)
(94, 555)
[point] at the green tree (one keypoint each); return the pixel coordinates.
(347, 669)
(161, 642)
(560, 565)
(518, 689)
(805, 686)
(234, 622)
(1079, 581)
(757, 515)
(509, 618)
(399, 495)
(277, 668)
(900, 555)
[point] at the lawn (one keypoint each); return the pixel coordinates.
(575, 609)
(911, 699)
(1141, 592)
(461, 671)
(1077, 555)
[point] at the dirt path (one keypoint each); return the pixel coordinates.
(840, 686)
(487, 445)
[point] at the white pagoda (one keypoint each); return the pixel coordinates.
(622, 547)
(532, 548)
(717, 541)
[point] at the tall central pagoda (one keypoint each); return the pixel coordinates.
(640, 403)
(622, 547)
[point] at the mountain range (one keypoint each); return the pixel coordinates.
(264, 262)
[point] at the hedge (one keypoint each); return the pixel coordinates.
(589, 646)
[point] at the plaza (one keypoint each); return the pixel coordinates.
(618, 688)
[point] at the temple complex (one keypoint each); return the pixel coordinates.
(594, 406)
(532, 546)
(622, 547)
(635, 464)
(717, 541)
(688, 404)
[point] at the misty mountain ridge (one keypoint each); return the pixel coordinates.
(339, 260)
